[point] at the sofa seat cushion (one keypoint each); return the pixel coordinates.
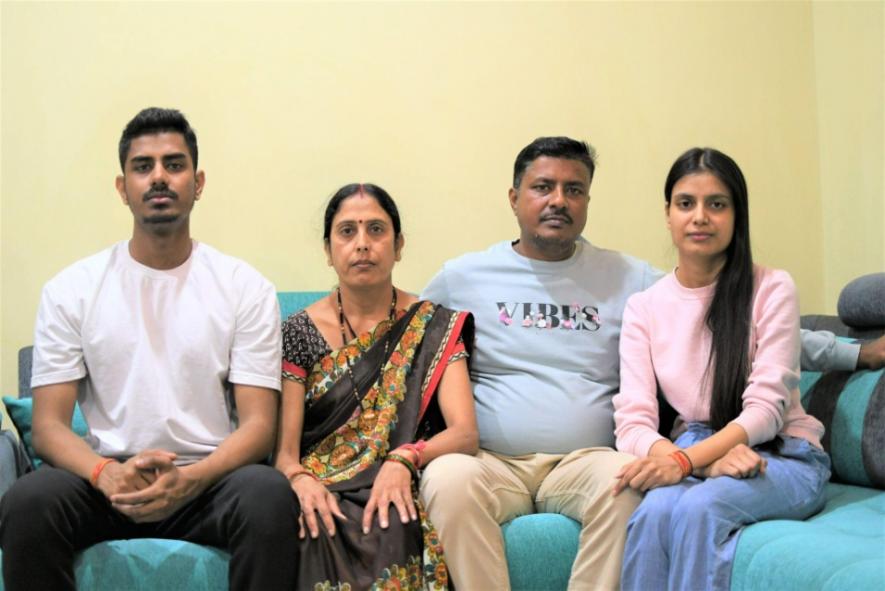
(541, 549)
(839, 548)
(150, 564)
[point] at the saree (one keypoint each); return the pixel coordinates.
(361, 401)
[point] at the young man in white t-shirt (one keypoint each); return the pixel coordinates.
(172, 350)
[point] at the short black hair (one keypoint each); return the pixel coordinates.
(380, 195)
(156, 120)
(554, 147)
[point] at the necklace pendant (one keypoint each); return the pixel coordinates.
(343, 454)
(368, 419)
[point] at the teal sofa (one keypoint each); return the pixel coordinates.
(843, 547)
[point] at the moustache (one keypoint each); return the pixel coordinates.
(558, 214)
(159, 192)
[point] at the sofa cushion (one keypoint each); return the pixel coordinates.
(851, 405)
(860, 303)
(13, 460)
(540, 551)
(149, 564)
(839, 548)
(294, 301)
(21, 412)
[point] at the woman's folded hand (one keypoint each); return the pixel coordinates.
(739, 462)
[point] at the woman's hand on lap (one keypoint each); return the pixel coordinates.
(647, 473)
(393, 485)
(314, 499)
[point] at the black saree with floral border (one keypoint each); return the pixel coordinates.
(361, 404)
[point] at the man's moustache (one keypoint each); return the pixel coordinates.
(563, 215)
(159, 192)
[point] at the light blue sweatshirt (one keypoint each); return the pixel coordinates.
(546, 363)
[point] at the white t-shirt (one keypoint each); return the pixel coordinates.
(545, 365)
(158, 349)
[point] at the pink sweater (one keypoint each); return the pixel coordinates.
(665, 342)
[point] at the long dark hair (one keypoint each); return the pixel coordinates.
(728, 317)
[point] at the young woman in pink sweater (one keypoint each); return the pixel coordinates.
(719, 337)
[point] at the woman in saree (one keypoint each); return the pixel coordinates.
(375, 386)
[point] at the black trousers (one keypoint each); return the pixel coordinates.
(51, 514)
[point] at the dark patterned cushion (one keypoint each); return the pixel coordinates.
(851, 405)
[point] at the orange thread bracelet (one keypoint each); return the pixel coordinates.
(96, 472)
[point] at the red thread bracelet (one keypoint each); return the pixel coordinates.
(96, 471)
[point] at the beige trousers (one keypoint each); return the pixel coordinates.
(467, 497)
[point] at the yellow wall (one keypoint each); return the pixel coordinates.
(850, 77)
(432, 101)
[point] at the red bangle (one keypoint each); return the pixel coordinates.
(96, 472)
(417, 448)
(298, 473)
(684, 462)
(690, 463)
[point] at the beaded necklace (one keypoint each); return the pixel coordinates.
(344, 322)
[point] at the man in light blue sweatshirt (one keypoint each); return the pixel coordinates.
(548, 310)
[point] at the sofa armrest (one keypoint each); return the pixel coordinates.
(837, 327)
(14, 461)
(25, 359)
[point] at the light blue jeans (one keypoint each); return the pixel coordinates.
(684, 536)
